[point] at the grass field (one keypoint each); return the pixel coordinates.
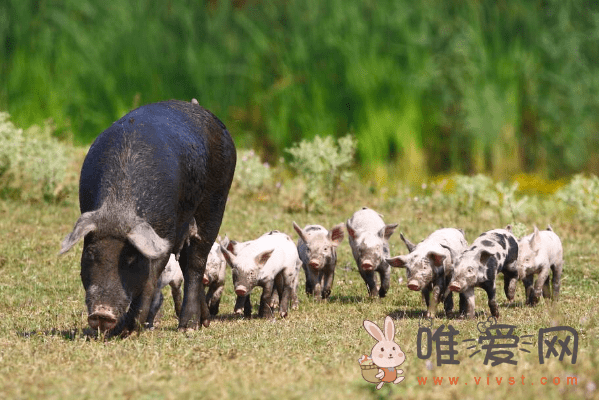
(46, 350)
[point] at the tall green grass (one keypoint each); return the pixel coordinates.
(432, 87)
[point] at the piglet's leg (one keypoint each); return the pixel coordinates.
(468, 303)
(265, 310)
(489, 287)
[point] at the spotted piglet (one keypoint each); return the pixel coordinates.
(492, 252)
(429, 266)
(540, 253)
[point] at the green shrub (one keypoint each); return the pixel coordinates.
(33, 164)
(251, 174)
(323, 163)
(582, 195)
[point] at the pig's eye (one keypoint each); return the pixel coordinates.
(470, 270)
(382, 349)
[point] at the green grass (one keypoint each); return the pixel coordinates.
(45, 351)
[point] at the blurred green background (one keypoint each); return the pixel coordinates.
(499, 87)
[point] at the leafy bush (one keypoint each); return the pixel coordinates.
(33, 164)
(582, 194)
(251, 174)
(323, 163)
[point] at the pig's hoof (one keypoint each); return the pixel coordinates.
(206, 323)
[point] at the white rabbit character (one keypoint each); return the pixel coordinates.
(386, 354)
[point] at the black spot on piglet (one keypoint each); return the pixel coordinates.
(487, 243)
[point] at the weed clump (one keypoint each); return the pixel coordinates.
(33, 164)
(323, 163)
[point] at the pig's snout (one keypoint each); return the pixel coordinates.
(314, 264)
(455, 287)
(413, 285)
(367, 266)
(205, 280)
(241, 290)
(103, 318)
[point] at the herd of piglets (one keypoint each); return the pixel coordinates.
(439, 265)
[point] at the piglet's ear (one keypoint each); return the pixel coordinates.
(484, 257)
(436, 258)
(398, 261)
(84, 225)
(411, 246)
(350, 231)
(147, 241)
(263, 257)
(229, 257)
(387, 231)
(299, 231)
(336, 234)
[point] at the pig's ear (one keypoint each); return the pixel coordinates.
(454, 255)
(484, 256)
(229, 257)
(223, 242)
(387, 231)
(299, 231)
(509, 228)
(350, 231)
(147, 241)
(263, 257)
(84, 225)
(436, 258)
(411, 246)
(397, 262)
(535, 240)
(374, 330)
(336, 234)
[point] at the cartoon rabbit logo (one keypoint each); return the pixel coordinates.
(386, 355)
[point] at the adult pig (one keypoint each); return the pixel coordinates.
(143, 182)
(492, 252)
(173, 277)
(429, 266)
(540, 253)
(271, 262)
(214, 278)
(369, 242)
(317, 248)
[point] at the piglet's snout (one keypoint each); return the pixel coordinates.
(314, 264)
(414, 285)
(103, 318)
(454, 287)
(367, 266)
(241, 290)
(205, 280)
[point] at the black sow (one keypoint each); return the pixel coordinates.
(145, 182)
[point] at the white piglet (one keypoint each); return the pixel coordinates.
(272, 262)
(540, 253)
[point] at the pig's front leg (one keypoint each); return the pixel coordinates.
(538, 286)
(368, 277)
(327, 283)
(510, 279)
(385, 275)
(489, 287)
(265, 310)
(528, 289)
(468, 302)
